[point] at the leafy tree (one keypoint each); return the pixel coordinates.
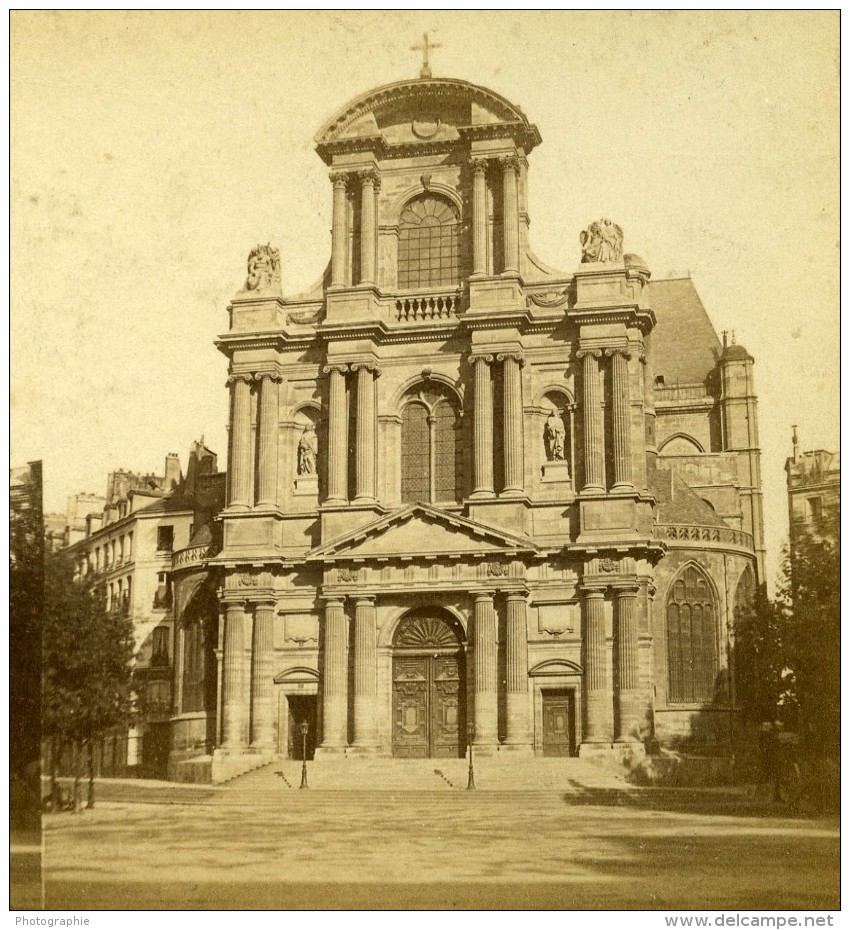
(87, 660)
(813, 586)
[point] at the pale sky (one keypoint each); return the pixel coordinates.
(151, 151)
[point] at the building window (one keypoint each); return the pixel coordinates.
(129, 546)
(164, 538)
(429, 244)
(159, 646)
(431, 453)
(814, 509)
(162, 598)
(691, 639)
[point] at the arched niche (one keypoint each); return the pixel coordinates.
(306, 429)
(680, 444)
(557, 437)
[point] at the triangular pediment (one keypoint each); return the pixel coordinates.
(420, 531)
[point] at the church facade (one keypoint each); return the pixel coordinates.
(469, 496)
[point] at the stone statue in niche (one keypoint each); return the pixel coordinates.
(555, 436)
(308, 449)
(263, 269)
(602, 241)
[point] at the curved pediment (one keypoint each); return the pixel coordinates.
(555, 667)
(298, 674)
(424, 110)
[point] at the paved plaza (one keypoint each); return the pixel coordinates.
(263, 844)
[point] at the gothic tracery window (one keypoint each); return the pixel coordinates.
(431, 451)
(691, 639)
(429, 243)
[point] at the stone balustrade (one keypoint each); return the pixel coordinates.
(687, 532)
(193, 555)
(439, 306)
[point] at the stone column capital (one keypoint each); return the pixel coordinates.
(480, 357)
(366, 366)
(484, 596)
(340, 179)
(509, 162)
(369, 176)
(244, 376)
(333, 600)
(593, 592)
(618, 350)
(514, 356)
(232, 604)
(479, 163)
(263, 600)
(593, 353)
(364, 600)
(275, 376)
(341, 367)
(625, 590)
(516, 596)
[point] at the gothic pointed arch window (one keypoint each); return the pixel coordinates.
(429, 243)
(431, 448)
(691, 639)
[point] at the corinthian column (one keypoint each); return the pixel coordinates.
(262, 686)
(483, 426)
(339, 234)
(241, 483)
(479, 215)
(510, 212)
(335, 677)
(267, 438)
(595, 679)
(513, 426)
(233, 707)
(517, 668)
(365, 673)
(627, 704)
(486, 697)
(621, 408)
(594, 438)
(365, 451)
(337, 435)
(369, 183)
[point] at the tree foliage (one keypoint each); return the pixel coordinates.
(87, 654)
(787, 650)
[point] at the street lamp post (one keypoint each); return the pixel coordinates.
(304, 728)
(470, 735)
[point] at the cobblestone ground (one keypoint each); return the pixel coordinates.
(462, 852)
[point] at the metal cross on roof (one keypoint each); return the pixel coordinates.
(425, 47)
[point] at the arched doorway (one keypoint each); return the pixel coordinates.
(429, 686)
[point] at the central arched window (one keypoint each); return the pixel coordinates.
(431, 450)
(429, 243)
(691, 639)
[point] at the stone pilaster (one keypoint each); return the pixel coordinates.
(369, 184)
(335, 677)
(595, 680)
(621, 409)
(337, 435)
(627, 698)
(233, 707)
(262, 671)
(483, 426)
(518, 732)
(267, 440)
(486, 676)
(365, 673)
(594, 436)
(366, 426)
(510, 213)
(513, 425)
(241, 479)
(479, 215)
(339, 234)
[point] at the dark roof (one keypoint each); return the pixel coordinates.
(732, 352)
(677, 503)
(173, 502)
(685, 346)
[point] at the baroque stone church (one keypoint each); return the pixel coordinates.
(469, 496)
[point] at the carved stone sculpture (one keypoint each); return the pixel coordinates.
(554, 437)
(263, 269)
(308, 449)
(602, 241)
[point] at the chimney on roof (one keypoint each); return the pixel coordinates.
(173, 474)
(795, 445)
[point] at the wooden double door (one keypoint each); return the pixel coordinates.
(429, 706)
(559, 723)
